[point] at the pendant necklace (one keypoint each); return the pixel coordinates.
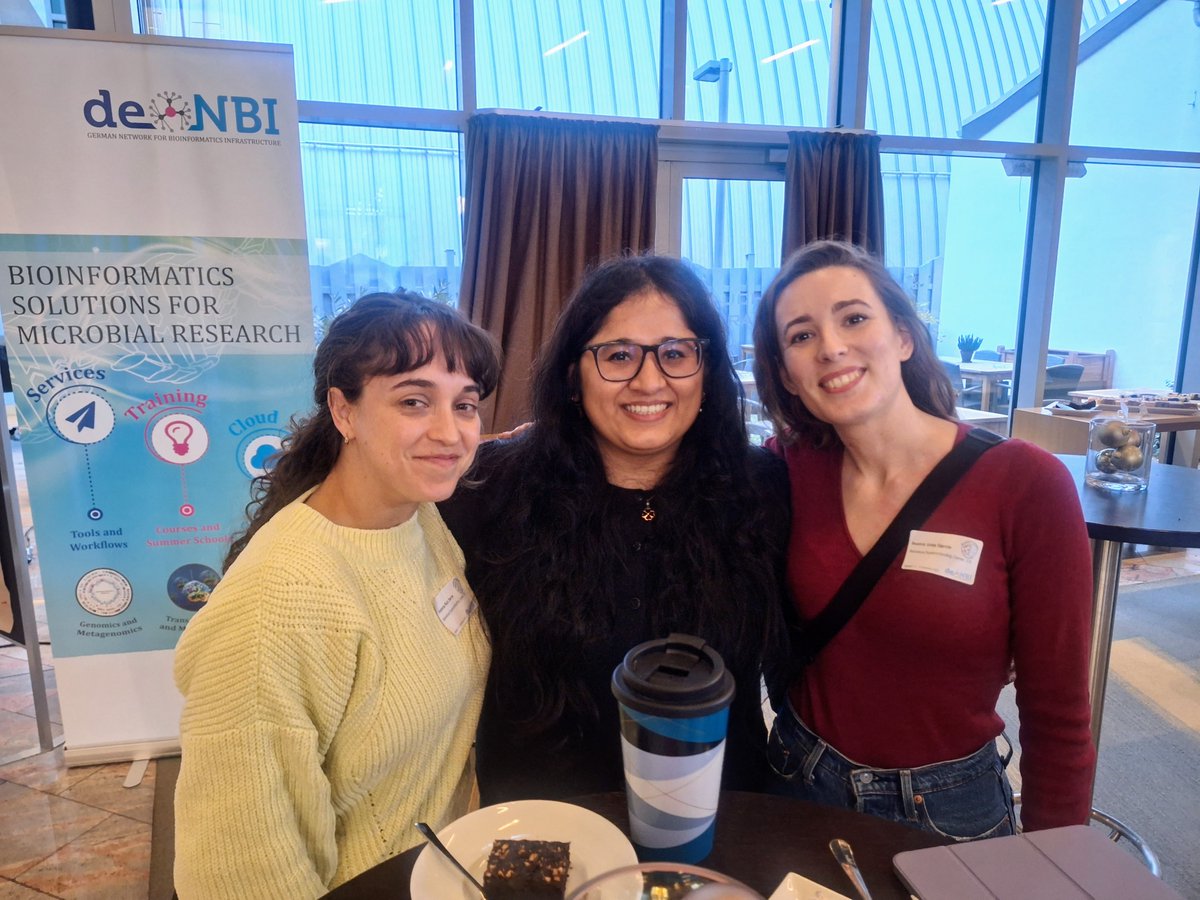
(648, 512)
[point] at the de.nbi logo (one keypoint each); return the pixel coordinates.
(169, 111)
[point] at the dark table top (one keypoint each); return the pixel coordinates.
(1166, 514)
(760, 838)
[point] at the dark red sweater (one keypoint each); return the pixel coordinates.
(914, 677)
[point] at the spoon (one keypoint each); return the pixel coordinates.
(433, 839)
(845, 856)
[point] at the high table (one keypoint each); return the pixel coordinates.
(760, 838)
(1166, 514)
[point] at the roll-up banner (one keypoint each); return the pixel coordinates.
(155, 298)
(11, 624)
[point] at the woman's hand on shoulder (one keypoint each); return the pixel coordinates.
(505, 435)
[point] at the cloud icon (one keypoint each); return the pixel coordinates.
(263, 457)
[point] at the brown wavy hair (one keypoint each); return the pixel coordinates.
(924, 376)
(381, 334)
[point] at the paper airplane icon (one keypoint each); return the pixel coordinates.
(84, 417)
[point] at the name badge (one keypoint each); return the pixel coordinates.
(454, 604)
(952, 556)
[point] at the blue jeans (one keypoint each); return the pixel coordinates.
(963, 799)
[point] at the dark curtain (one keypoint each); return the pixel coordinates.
(546, 198)
(834, 189)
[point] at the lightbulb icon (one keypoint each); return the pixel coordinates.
(176, 438)
(179, 432)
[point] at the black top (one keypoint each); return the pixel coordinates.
(1166, 514)
(580, 753)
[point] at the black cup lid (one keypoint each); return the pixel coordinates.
(680, 671)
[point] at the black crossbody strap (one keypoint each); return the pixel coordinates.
(854, 591)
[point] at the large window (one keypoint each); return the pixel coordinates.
(1138, 80)
(577, 56)
(938, 66)
(1122, 268)
(389, 54)
(731, 234)
(384, 204)
(762, 62)
(382, 209)
(955, 233)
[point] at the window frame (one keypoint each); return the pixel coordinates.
(715, 151)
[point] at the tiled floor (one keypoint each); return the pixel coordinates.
(71, 833)
(1149, 567)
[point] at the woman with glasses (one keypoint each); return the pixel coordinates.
(896, 714)
(632, 508)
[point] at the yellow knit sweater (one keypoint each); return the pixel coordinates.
(327, 708)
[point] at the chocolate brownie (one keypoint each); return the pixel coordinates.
(527, 869)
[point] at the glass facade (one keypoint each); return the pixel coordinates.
(1142, 87)
(758, 62)
(1128, 293)
(935, 65)
(575, 56)
(955, 235)
(369, 227)
(943, 81)
(386, 54)
(726, 220)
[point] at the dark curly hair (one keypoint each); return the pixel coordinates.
(924, 376)
(547, 586)
(381, 334)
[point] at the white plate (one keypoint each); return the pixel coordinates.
(1080, 413)
(797, 887)
(597, 845)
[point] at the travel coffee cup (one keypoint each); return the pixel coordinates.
(674, 697)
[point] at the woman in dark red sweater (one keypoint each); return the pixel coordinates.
(896, 715)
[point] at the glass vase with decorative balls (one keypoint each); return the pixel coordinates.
(1119, 453)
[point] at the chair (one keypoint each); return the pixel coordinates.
(987, 355)
(745, 372)
(1117, 830)
(758, 426)
(964, 394)
(1055, 360)
(1061, 380)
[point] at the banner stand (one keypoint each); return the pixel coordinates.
(157, 319)
(22, 589)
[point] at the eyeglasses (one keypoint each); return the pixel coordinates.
(621, 361)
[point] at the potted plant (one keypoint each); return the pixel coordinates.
(967, 345)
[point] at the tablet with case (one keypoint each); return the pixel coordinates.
(1072, 863)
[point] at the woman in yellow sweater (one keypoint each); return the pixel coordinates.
(332, 684)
